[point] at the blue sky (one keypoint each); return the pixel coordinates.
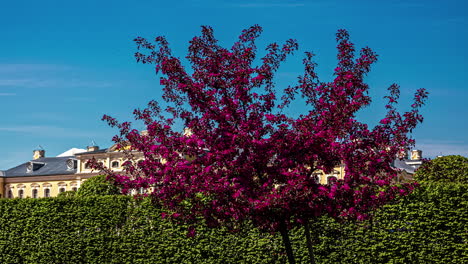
(63, 64)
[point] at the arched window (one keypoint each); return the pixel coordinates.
(34, 190)
(47, 192)
(62, 187)
(10, 194)
(74, 186)
(87, 166)
(20, 193)
(115, 164)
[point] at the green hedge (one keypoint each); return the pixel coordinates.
(427, 227)
(118, 229)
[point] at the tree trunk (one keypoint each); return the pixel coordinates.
(287, 243)
(309, 242)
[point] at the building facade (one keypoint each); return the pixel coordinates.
(43, 176)
(48, 176)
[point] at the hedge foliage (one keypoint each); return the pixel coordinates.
(429, 226)
(452, 168)
(117, 229)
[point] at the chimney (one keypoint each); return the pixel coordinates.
(38, 153)
(92, 147)
(416, 154)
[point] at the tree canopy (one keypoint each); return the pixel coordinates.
(97, 185)
(249, 159)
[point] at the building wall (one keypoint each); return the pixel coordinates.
(107, 159)
(338, 172)
(41, 184)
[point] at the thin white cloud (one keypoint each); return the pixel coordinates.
(52, 83)
(15, 82)
(49, 131)
(434, 148)
(7, 94)
(45, 76)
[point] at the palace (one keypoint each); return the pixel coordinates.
(48, 176)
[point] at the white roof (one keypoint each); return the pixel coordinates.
(71, 152)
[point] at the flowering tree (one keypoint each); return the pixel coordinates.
(241, 157)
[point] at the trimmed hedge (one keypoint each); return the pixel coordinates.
(428, 226)
(118, 229)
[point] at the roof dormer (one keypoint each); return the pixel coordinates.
(34, 166)
(72, 164)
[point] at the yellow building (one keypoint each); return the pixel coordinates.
(325, 178)
(42, 177)
(48, 176)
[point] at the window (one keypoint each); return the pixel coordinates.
(115, 164)
(62, 187)
(87, 165)
(47, 192)
(10, 194)
(20, 193)
(74, 189)
(34, 193)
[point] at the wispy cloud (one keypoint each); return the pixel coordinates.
(49, 131)
(7, 94)
(52, 83)
(433, 148)
(46, 76)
